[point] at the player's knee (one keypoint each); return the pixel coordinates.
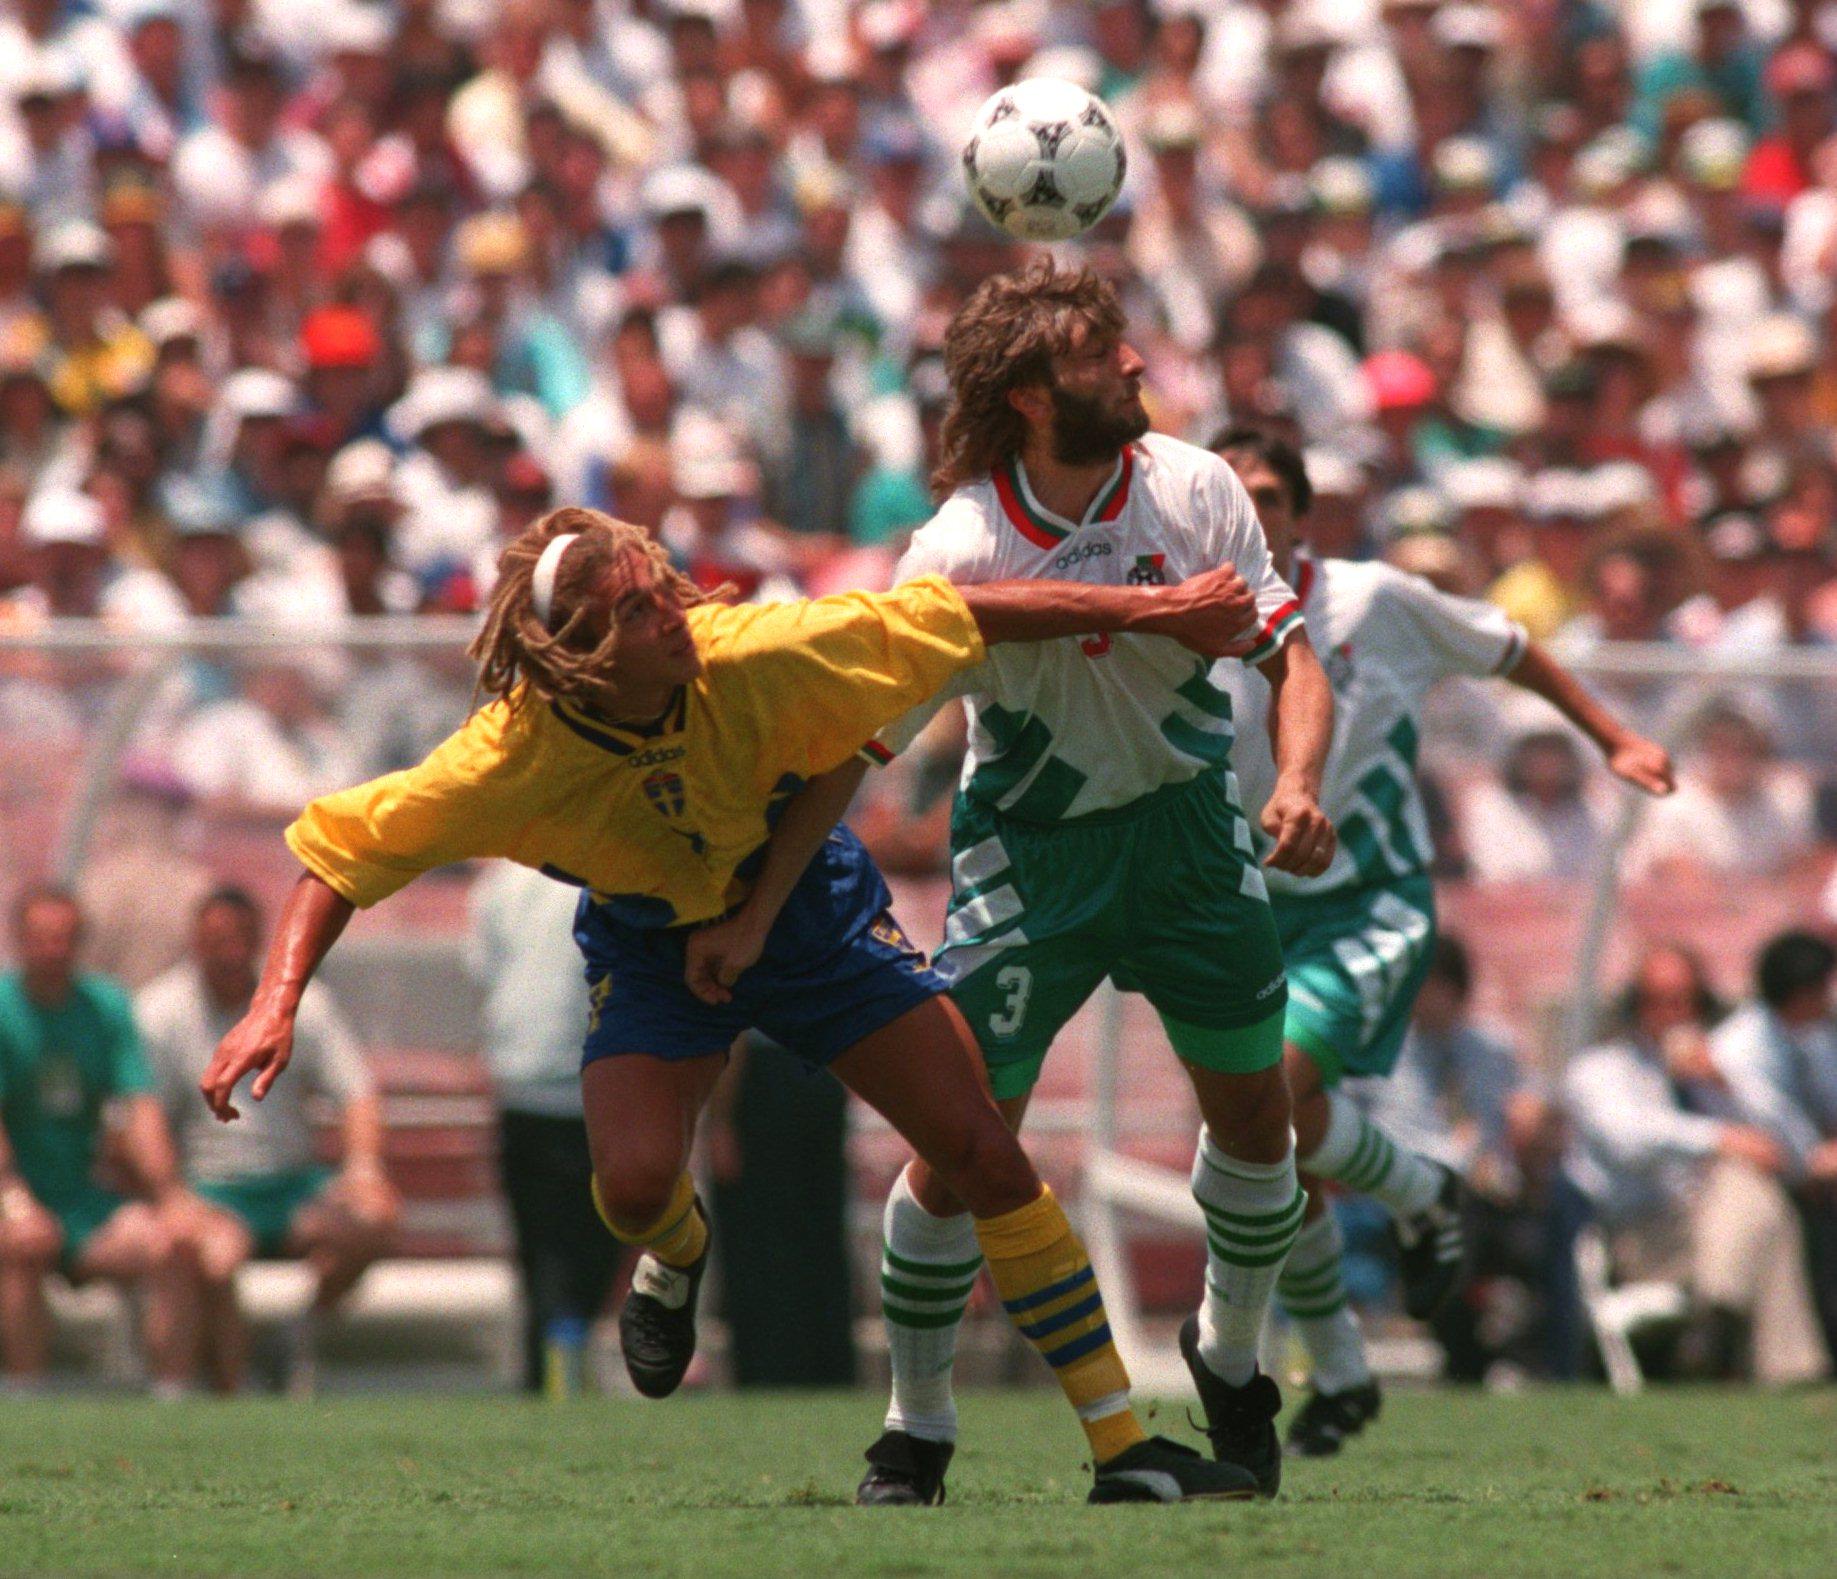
(25, 1253)
(986, 1169)
(636, 1191)
(1249, 1116)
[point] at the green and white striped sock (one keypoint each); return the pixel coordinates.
(1253, 1212)
(1356, 1153)
(1313, 1296)
(928, 1266)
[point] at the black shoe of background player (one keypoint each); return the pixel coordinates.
(1432, 1249)
(1162, 1471)
(657, 1323)
(1240, 1421)
(904, 1471)
(1325, 1421)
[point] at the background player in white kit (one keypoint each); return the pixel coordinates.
(1358, 939)
(1098, 833)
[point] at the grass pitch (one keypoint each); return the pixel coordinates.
(1547, 1482)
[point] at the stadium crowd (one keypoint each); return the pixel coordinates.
(307, 306)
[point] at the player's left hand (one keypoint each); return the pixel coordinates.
(1305, 840)
(1644, 764)
(716, 955)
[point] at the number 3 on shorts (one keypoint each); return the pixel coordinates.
(1017, 982)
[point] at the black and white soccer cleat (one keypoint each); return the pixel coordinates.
(1240, 1421)
(657, 1323)
(904, 1471)
(1432, 1249)
(1326, 1421)
(1162, 1471)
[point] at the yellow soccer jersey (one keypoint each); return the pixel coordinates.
(659, 823)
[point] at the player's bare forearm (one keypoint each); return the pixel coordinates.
(262, 1041)
(1639, 761)
(1300, 712)
(715, 956)
(1212, 613)
(1300, 735)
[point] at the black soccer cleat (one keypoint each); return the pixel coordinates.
(904, 1471)
(1162, 1471)
(1240, 1421)
(657, 1323)
(1432, 1249)
(1324, 1423)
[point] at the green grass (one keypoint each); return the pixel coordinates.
(1548, 1482)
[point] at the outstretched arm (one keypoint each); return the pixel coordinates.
(1212, 613)
(262, 1040)
(716, 955)
(1300, 735)
(1641, 762)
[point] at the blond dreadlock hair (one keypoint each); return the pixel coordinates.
(573, 656)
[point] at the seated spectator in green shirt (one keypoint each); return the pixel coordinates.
(76, 1110)
(267, 1192)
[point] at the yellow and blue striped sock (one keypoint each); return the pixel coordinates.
(677, 1238)
(1050, 1293)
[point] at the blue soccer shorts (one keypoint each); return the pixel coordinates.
(836, 968)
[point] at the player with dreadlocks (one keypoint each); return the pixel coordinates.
(642, 742)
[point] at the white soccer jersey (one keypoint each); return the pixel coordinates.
(1063, 728)
(1384, 637)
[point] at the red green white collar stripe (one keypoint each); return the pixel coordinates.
(1038, 524)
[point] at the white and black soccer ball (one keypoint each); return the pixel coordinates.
(1045, 159)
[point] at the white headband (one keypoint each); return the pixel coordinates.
(542, 583)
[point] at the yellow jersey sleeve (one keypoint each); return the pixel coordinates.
(459, 804)
(818, 679)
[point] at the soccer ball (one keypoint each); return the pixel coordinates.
(1045, 160)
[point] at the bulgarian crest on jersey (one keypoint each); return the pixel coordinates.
(1149, 570)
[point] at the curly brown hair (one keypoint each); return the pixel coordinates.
(571, 656)
(1004, 338)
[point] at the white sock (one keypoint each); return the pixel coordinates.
(928, 1267)
(1253, 1212)
(1313, 1296)
(1356, 1153)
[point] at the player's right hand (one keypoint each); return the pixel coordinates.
(261, 1041)
(715, 956)
(1213, 613)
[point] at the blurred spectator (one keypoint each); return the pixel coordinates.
(1779, 1057)
(1683, 1189)
(267, 1192)
(536, 1013)
(1535, 822)
(1457, 1094)
(89, 1185)
(1737, 812)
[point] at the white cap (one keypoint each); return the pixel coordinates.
(1066, 63)
(1467, 27)
(363, 469)
(258, 392)
(1489, 482)
(680, 188)
(706, 460)
(1779, 346)
(1332, 475)
(49, 72)
(354, 29)
(171, 318)
(443, 394)
(75, 244)
(292, 200)
(63, 515)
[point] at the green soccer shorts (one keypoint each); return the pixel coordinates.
(267, 1204)
(1356, 960)
(1163, 896)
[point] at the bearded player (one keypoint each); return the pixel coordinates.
(1098, 832)
(1358, 940)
